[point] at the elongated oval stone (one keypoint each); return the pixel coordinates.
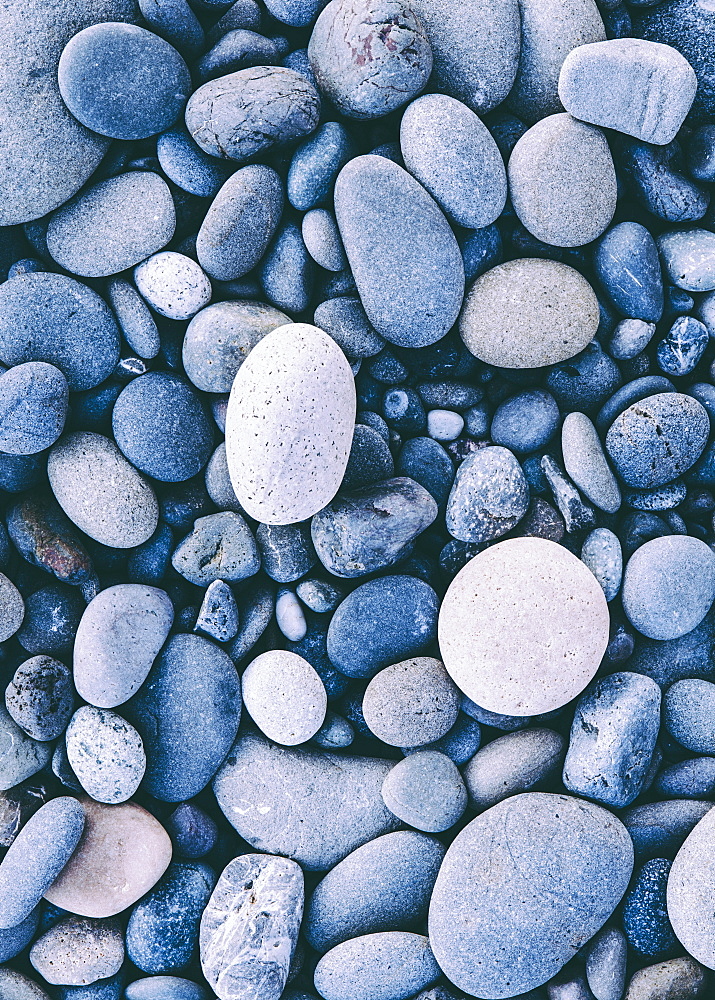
(250, 926)
(691, 892)
(522, 888)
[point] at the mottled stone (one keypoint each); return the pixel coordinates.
(411, 703)
(33, 407)
(40, 697)
(106, 754)
(489, 497)
(173, 284)
(688, 710)
(677, 979)
(606, 957)
(601, 552)
(645, 917)
(688, 257)
(12, 608)
(16, 986)
(517, 762)
(390, 965)
(79, 951)
(220, 547)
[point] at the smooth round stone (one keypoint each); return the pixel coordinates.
(100, 491)
(389, 965)
(411, 703)
(630, 337)
(123, 852)
(12, 608)
(161, 426)
(78, 951)
(678, 977)
(370, 459)
(112, 225)
(606, 960)
(238, 49)
(586, 463)
(369, 56)
(240, 223)
(219, 338)
(658, 829)
(322, 239)
(120, 633)
(453, 155)
(106, 754)
(123, 81)
(522, 888)
(20, 755)
(284, 696)
(296, 385)
(246, 113)
(174, 285)
(40, 697)
(37, 856)
(425, 790)
(688, 258)
(428, 463)
(391, 226)
(510, 619)
(444, 425)
(642, 88)
(287, 272)
(669, 586)
(630, 393)
(687, 779)
(16, 986)
(688, 714)
(627, 264)
(290, 618)
(689, 893)
(345, 320)
(601, 552)
(192, 831)
(189, 167)
(164, 988)
(33, 407)
(529, 313)
(657, 439)
(516, 762)
(187, 713)
(53, 318)
(562, 181)
(315, 165)
(489, 497)
(525, 422)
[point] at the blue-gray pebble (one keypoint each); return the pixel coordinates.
(33, 407)
(645, 913)
(489, 497)
(315, 165)
(627, 265)
(682, 347)
(525, 422)
(688, 714)
(188, 166)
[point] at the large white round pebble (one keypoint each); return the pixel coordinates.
(691, 892)
(284, 696)
(523, 627)
(174, 285)
(289, 424)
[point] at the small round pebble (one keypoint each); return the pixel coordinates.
(322, 239)
(517, 762)
(134, 318)
(40, 697)
(525, 422)
(688, 257)
(689, 714)
(165, 988)
(174, 285)
(188, 166)
(411, 703)
(106, 754)
(426, 791)
(284, 696)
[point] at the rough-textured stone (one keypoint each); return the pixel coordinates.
(40, 697)
(411, 703)
(33, 407)
(79, 951)
(12, 608)
(220, 547)
(106, 754)
(20, 756)
(489, 497)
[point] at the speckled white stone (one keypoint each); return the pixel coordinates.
(290, 617)
(691, 892)
(174, 285)
(523, 627)
(106, 753)
(284, 696)
(78, 951)
(289, 424)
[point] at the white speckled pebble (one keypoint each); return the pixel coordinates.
(12, 608)
(284, 696)
(523, 627)
(289, 424)
(444, 425)
(106, 753)
(174, 285)
(290, 616)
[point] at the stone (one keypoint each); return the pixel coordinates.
(106, 754)
(482, 629)
(15, 939)
(586, 463)
(389, 965)
(627, 264)
(53, 318)
(40, 697)
(193, 679)
(284, 696)
(295, 386)
(123, 81)
(315, 165)
(239, 49)
(562, 181)
(33, 407)
(246, 113)
(257, 604)
(444, 425)
(642, 88)
(689, 893)
(173, 284)
(240, 223)
(516, 762)
(613, 737)
(426, 791)
(682, 347)
(345, 320)
(658, 829)
(529, 313)
(220, 547)
(428, 463)
(287, 272)
(654, 174)
(522, 888)
(250, 926)
(165, 988)
(79, 951)
(112, 225)
(12, 608)
(390, 225)
(17, 986)
(342, 811)
(630, 337)
(322, 239)
(411, 703)
(100, 491)
(218, 614)
(123, 852)
(134, 318)
(630, 393)
(188, 166)
(526, 422)
(671, 980)
(669, 586)
(606, 964)
(601, 552)
(688, 712)
(688, 257)
(290, 618)
(382, 886)
(686, 779)
(192, 831)
(286, 551)
(119, 636)
(489, 497)
(645, 917)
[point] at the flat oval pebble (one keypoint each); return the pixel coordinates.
(33, 407)
(165, 988)
(586, 463)
(690, 892)
(296, 386)
(601, 552)
(515, 762)
(425, 790)
(529, 313)
(284, 696)
(390, 965)
(106, 754)
(78, 951)
(391, 226)
(114, 505)
(40, 697)
(411, 703)
(626, 262)
(522, 888)
(173, 284)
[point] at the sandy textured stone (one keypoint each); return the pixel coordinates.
(106, 754)
(15, 986)
(523, 627)
(529, 313)
(79, 951)
(677, 979)
(284, 696)
(12, 608)
(411, 703)
(586, 463)
(691, 892)
(289, 424)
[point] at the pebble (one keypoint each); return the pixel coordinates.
(689, 911)
(173, 285)
(586, 463)
(411, 703)
(192, 680)
(33, 407)
(606, 964)
(613, 737)
(189, 167)
(123, 852)
(220, 547)
(601, 552)
(246, 113)
(506, 914)
(426, 791)
(322, 239)
(134, 318)
(336, 733)
(645, 917)
(516, 762)
(688, 257)
(257, 606)
(688, 707)
(40, 697)
(687, 779)
(218, 616)
(12, 608)
(345, 320)
(682, 347)
(526, 422)
(630, 337)
(669, 586)
(20, 755)
(17, 986)
(164, 988)
(482, 628)
(250, 926)
(528, 313)
(370, 459)
(192, 831)
(489, 497)
(642, 88)
(115, 505)
(658, 829)
(428, 463)
(343, 812)
(562, 181)
(389, 965)
(239, 49)
(316, 163)
(391, 226)
(296, 385)
(444, 425)
(655, 175)
(678, 977)
(290, 618)
(106, 754)
(453, 155)
(284, 696)
(369, 57)
(287, 272)
(78, 951)
(628, 267)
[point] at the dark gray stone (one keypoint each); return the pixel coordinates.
(239, 49)
(287, 551)
(345, 320)
(15, 939)
(658, 829)
(33, 407)
(40, 697)
(489, 497)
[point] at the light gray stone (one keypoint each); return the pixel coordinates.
(284, 696)
(426, 791)
(516, 762)
(677, 979)
(12, 608)
(411, 703)
(220, 547)
(20, 756)
(173, 284)
(106, 753)
(577, 514)
(689, 894)
(489, 497)
(606, 957)
(390, 965)
(601, 552)
(79, 951)
(586, 463)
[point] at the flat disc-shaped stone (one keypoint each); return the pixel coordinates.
(523, 627)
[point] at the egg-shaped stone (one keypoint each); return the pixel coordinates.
(691, 892)
(289, 424)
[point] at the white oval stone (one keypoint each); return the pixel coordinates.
(691, 892)
(284, 696)
(173, 284)
(523, 627)
(289, 424)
